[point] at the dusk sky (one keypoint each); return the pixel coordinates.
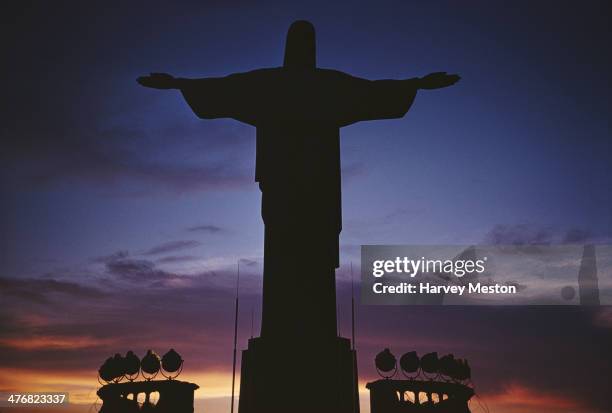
(117, 200)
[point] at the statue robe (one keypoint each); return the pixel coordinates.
(298, 114)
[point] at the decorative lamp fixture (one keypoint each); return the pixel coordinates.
(446, 365)
(386, 364)
(172, 364)
(112, 370)
(150, 364)
(131, 364)
(409, 363)
(429, 363)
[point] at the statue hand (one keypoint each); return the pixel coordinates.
(158, 81)
(438, 80)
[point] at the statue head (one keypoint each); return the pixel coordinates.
(300, 48)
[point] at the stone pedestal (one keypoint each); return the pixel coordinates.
(419, 396)
(285, 376)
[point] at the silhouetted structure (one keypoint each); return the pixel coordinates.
(172, 396)
(298, 110)
(412, 396)
(588, 282)
(432, 384)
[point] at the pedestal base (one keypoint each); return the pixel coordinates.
(174, 396)
(278, 375)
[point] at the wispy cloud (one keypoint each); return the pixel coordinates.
(103, 259)
(529, 234)
(519, 234)
(248, 262)
(40, 290)
(176, 259)
(172, 246)
(211, 229)
(522, 398)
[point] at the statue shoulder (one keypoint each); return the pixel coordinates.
(337, 76)
(257, 73)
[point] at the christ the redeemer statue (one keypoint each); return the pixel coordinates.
(298, 110)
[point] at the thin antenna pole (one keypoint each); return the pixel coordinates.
(252, 321)
(235, 338)
(337, 320)
(355, 386)
(352, 308)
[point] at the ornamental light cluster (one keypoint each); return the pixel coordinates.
(429, 366)
(118, 368)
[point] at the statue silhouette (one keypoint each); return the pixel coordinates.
(298, 110)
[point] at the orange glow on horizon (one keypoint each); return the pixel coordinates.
(54, 342)
(516, 398)
(215, 387)
(82, 385)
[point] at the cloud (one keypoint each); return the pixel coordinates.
(121, 258)
(577, 236)
(142, 272)
(137, 312)
(519, 234)
(522, 397)
(38, 290)
(55, 342)
(525, 234)
(172, 246)
(111, 257)
(141, 306)
(211, 229)
(247, 262)
(353, 170)
(176, 258)
(71, 143)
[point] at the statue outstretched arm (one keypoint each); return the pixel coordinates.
(162, 81)
(212, 97)
(436, 80)
(364, 99)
